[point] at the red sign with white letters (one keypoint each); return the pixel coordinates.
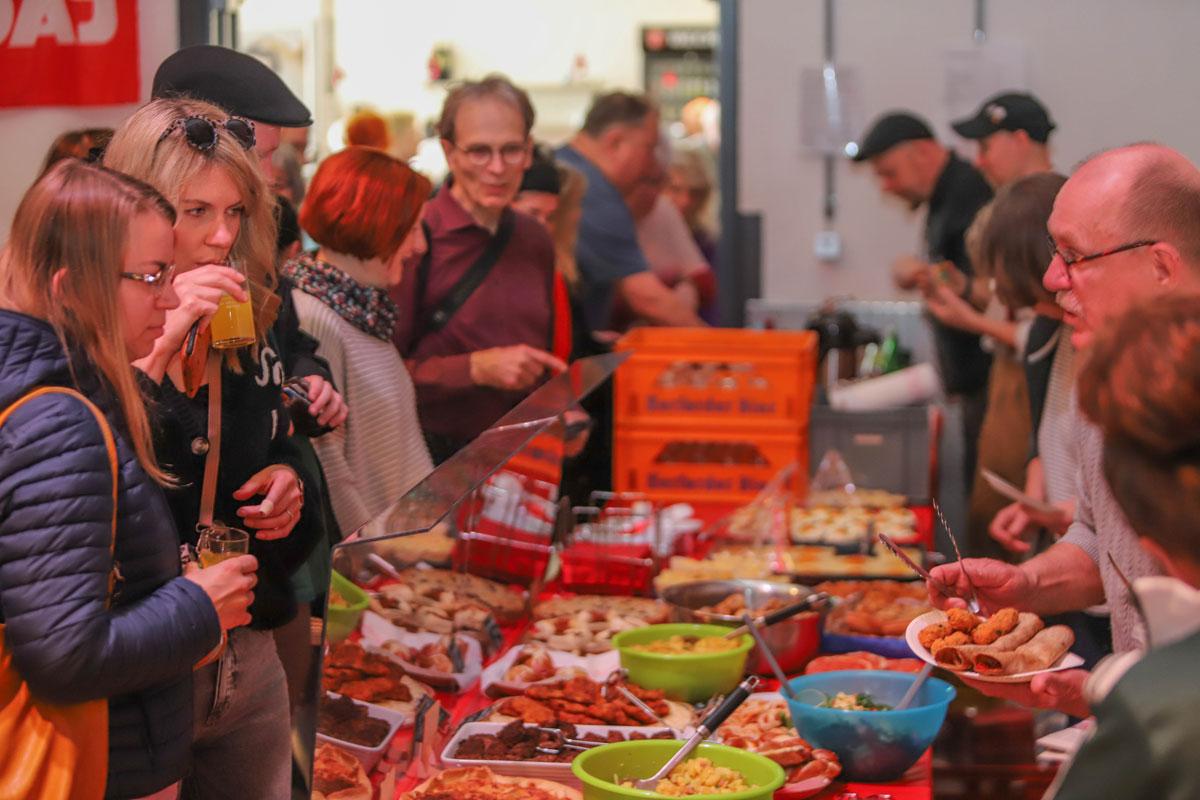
(68, 52)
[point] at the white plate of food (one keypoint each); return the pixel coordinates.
(425, 656)
(1007, 647)
(476, 744)
(526, 664)
(483, 782)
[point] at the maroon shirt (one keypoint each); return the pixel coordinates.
(511, 306)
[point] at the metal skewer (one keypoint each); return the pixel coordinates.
(769, 655)
(973, 603)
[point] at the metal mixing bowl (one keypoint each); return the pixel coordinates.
(794, 641)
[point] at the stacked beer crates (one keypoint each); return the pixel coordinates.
(712, 415)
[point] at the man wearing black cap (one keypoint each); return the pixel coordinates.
(240, 84)
(910, 164)
(1011, 130)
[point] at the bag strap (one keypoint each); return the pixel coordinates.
(110, 445)
(561, 324)
(212, 459)
(441, 314)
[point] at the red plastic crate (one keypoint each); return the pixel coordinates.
(513, 558)
(590, 568)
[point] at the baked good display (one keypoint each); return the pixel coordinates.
(338, 775)
(506, 604)
(432, 547)
(342, 718)
(859, 498)
(585, 624)
(480, 783)
(850, 524)
(651, 612)
(874, 608)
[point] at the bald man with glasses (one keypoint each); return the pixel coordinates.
(1125, 229)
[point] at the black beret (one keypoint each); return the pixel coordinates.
(890, 130)
(239, 83)
(542, 175)
(1011, 111)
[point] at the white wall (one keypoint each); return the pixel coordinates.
(383, 48)
(26, 133)
(1110, 71)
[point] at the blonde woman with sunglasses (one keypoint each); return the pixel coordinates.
(85, 288)
(203, 161)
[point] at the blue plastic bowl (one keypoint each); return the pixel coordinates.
(872, 745)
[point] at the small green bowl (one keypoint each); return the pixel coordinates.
(692, 677)
(597, 767)
(340, 621)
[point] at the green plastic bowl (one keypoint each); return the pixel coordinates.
(692, 678)
(597, 767)
(340, 621)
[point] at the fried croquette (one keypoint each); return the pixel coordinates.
(961, 620)
(932, 633)
(1000, 623)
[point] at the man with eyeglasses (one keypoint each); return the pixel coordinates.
(476, 314)
(614, 150)
(1125, 228)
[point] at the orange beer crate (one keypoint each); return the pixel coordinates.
(706, 464)
(716, 376)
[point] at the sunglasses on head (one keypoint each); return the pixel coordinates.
(201, 132)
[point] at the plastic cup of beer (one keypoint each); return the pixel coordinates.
(219, 542)
(233, 322)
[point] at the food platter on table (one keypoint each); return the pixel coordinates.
(872, 616)
(338, 775)
(481, 783)
(484, 744)
(427, 657)
(373, 678)
(585, 624)
(582, 701)
(1008, 649)
(528, 664)
(762, 725)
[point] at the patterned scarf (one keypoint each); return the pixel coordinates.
(365, 307)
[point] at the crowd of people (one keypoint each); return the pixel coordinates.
(1064, 312)
(131, 432)
(420, 318)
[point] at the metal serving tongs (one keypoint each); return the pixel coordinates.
(815, 601)
(616, 680)
(563, 742)
(705, 730)
(973, 602)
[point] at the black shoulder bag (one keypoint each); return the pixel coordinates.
(434, 319)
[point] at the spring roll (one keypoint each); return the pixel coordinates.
(961, 658)
(1040, 652)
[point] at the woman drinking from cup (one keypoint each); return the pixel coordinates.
(221, 425)
(362, 209)
(93, 603)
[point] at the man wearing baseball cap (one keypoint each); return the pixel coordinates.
(238, 83)
(912, 165)
(1012, 130)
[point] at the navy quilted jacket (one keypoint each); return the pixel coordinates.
(55, 530)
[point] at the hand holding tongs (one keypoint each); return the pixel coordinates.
(705, 730)
(943, 589)
(816, 600)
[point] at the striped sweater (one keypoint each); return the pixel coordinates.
(379, 453)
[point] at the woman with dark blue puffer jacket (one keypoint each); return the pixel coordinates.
(85, 282)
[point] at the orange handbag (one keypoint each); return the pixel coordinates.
(50, 751)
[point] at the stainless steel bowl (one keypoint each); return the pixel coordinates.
(794, 641)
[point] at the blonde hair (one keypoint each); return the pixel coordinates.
(564, 222)
(138, 148)
(76, 219)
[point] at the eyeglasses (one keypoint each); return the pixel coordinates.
(201, 132)
(481, 155)
(158, 281)
(1071, 262)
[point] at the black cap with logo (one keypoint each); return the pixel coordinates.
(890, 130)
(1011, 111)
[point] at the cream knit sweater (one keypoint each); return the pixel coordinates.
(1100, 527)
(379, 453)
